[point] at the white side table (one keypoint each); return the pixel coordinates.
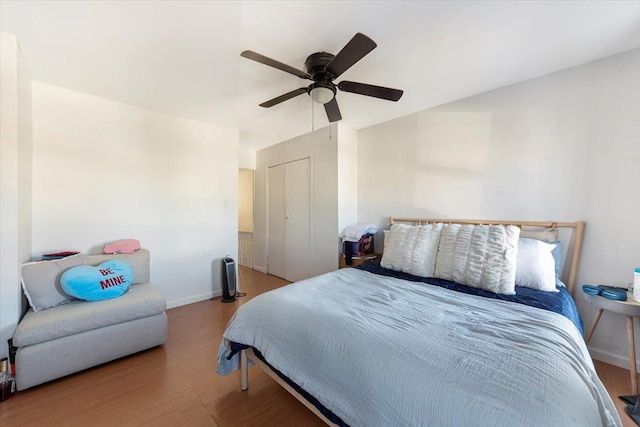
(629, 308)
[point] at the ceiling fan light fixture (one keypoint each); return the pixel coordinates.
(322, 93)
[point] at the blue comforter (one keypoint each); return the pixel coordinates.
(559, 302)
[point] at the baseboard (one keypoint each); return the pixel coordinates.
(260, 269)
(611, 358)
(192, 299)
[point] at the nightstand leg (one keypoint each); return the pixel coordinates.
(593, 325)
(632, 355)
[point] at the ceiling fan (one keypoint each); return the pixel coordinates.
(322, 68)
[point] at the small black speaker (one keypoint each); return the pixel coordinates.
(228, 280)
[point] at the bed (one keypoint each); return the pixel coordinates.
(376, 346)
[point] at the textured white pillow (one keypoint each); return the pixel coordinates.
(536, 267)
(412, 249)
(480, 256)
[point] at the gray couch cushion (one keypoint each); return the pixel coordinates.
(139, 260)
(79, 316)
(41, 281)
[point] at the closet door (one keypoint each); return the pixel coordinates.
(298, 228)
(289, 220)
(276, 221)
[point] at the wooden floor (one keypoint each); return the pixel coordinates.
(176, 384)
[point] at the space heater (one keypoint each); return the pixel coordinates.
(228, 280)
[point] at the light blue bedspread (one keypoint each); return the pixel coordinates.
(380, 351)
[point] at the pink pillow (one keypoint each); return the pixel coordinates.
(127, 246)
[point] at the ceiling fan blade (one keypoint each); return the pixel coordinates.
(353, 52)
(249, 54)
(282, 98)
(371, 90)
(333, 112)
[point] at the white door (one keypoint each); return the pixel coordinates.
(289, 221)
(277, 220)
(298, 230)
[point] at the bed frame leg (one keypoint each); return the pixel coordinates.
(244, 370)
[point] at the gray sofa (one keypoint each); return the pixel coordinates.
(77, 335)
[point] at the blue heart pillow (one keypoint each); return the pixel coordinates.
(108, 280)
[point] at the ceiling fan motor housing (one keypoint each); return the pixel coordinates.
(315, 64)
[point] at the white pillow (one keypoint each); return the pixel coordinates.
(480, 256)
(536, 268)
(412, 249)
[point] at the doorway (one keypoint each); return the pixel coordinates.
(245, 216)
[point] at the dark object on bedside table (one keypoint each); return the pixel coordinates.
(357, 260)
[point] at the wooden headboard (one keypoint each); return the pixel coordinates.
(574, 244)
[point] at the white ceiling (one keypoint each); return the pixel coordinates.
(183, 57)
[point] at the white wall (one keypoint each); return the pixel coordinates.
(321, 147)
(15, 182)
(562, 147)
(347, 176)
(246, 158)
(105, 171)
